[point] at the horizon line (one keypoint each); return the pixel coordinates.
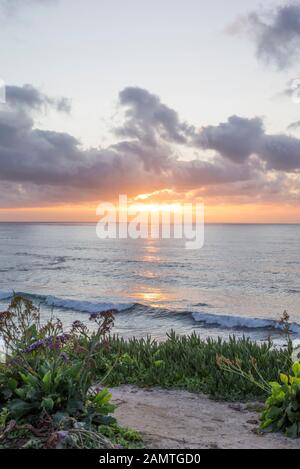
(95, 222)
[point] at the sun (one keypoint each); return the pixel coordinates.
(155, 208)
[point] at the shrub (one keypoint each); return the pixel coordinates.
(282, 408)
(47, 398)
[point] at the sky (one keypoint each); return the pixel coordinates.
(183, 101)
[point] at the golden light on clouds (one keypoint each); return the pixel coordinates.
(165, 203)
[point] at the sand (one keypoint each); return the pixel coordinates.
(182, 420)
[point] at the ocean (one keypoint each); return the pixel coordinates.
(239, 283)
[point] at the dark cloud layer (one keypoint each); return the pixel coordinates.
(32, 99)
(276, 34)
(236, 139)
(146, 117)
(240, 138)
(40, 167)
(281, 152)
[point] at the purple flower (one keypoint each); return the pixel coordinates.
(94, 316)
(34, 346)
(62, 434)
(52, 343)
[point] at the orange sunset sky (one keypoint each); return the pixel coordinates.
(213, 214)
(200, 103)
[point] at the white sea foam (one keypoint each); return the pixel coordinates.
(242, 322)
(65, 303)
(84, 306)
(222, 321)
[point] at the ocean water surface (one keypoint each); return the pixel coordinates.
(240, 282)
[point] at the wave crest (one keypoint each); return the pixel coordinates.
(242, 322)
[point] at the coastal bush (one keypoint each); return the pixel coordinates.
(47, 393)
(191, 363)
(282, 408)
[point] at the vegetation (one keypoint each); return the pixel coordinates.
(50, 395)
(124, 437)
(47, 398)
(193, 364)
(282, 407)
(282, 410)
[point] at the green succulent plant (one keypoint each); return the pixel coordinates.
(282, 408)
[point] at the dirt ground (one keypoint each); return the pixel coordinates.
(182, 420)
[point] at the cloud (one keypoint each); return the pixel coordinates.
(239, 138)
(147, 117)
(276, 34)
(42, 167)
(9, 9)
(11, 5)
(236, 139)
(56, 163)
(294, 126)
(281, 152)
(151, 122)
(31, 98)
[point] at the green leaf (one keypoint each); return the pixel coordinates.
(284, 378)
(105, 409)
(19, 408)
(158, 363)
(275, 386)
(12, 384)
(103, 397)
(47, 380)
(48, 404)
(105, 420)
(296, 369)
(295, 381)
(266, 424)
(28, 378)
(274, 412)
(32, 393)
(292, 432)
(58, 378)
(21, 392)
(74, 406)
(25, 377)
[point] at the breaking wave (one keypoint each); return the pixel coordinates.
(74, 305)
(207, 319)
(242, 322)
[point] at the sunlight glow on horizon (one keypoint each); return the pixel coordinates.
(155, 208)
(214, 213)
